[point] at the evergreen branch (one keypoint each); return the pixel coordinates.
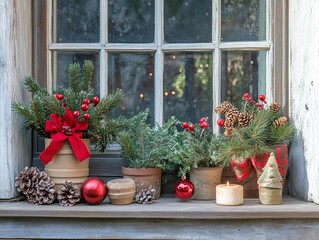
(74, 77)
(33, 87)
(87, 74)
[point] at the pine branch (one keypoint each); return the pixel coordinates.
(87, 75)
(74, 77)
(33, 87)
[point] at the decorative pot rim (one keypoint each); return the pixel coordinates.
(141, 171)
(206, 168)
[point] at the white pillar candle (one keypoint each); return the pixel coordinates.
(229, 194)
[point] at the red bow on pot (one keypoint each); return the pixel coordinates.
(62, 129)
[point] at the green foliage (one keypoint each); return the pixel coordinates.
(146, 147)
(101, 126)
(197, 149)
(260, 134)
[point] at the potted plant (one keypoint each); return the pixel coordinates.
(253, 132)
(67, 119)
(197, 154)
(146, 151)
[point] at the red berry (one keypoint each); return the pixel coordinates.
(185, 125)
(84, 107)
(60, 97)
(96, 100)
(221, 122)
(246, 96)
(55, 95)
(262, 97)
(202, 120)
(76, 114)
(86, 116)
(86, 101)
(191, 127)
(205, 125)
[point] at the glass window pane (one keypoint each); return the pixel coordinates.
(187, 21)
(131, 21)
(188, 85)
(243, 20)
(77, 21)
(243, 72)
(134, 73)
(64, 59)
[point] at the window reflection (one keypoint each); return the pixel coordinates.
(134, 73)
(188, 85)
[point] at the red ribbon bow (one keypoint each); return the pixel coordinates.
(65, 129)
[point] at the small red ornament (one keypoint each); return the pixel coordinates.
(94, 190)
(86, 116)
(246, 96)
(191, 127)
(86, 101)
(185, 125)
(96, 100)
(184, 189)
(204, 125)
(76, 114)
(262, 97)
(221, 122)
(84, 107)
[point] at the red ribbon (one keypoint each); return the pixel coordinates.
(62, 129)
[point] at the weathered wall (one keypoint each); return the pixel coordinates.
(15, 63)
(304, 97)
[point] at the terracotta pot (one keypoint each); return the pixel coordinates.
(121, 191)
(65, 166)
(205, 180)
(145, 178)
(270, 196)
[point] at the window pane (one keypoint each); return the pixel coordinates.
(77, 21)
(243, 72)
(131, 21)
(188, 21)
(243, 20)
(188, 86)
(134, 73)
(64, 59)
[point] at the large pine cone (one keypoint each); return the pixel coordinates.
(281, 121)
(45, 193)
(69, 194)
(28, 180)
(275, 107)
(146, 196)
(232, 116)
(223, 107)
(244, 119)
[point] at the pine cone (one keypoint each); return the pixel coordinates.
(228, 132)
(275, 107)
(281, 121)
(69, 194)
(244, 119)
(27, 182)
(223, 107)
(146, 196)
(232, 116)
(45, 192)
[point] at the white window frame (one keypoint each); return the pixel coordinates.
(275, 47)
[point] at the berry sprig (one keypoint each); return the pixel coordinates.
(203, 123)
(188, 126)
(262, 98)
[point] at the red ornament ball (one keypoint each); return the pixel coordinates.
(76, 114)
(59, 96)
(204, 125)
(191, 127)
(184, 189)
(86, 101)
(221, 122)
(185, 125)
(202, 120)
(262, 97)
(94, 190)
(84, 107)
(96, 100)
(246, 96)
(86, 116)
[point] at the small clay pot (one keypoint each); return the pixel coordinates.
(121, 191)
